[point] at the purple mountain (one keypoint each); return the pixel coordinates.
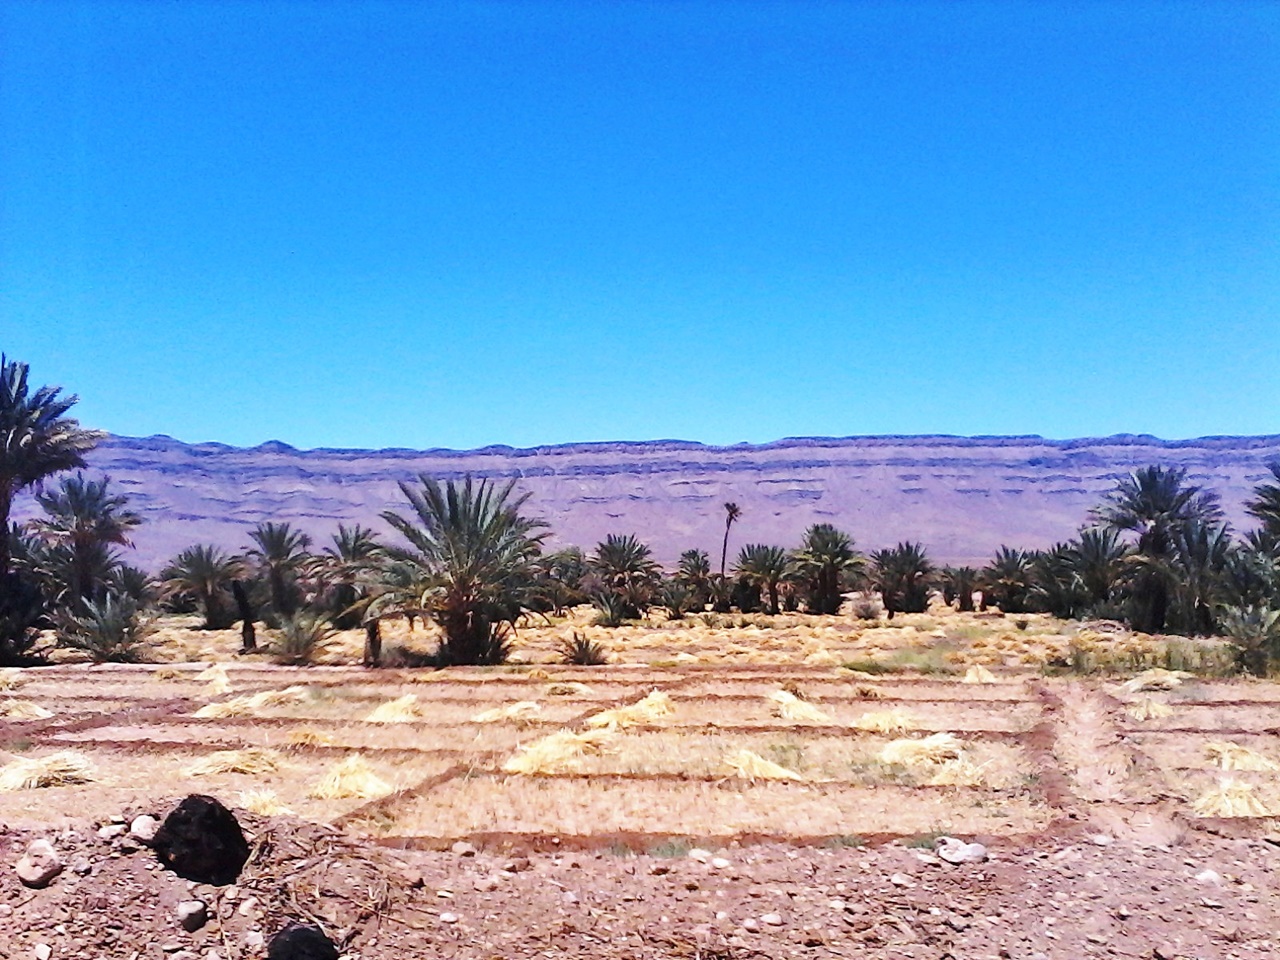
(961, 496)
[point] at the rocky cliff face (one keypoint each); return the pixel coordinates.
(962, 496)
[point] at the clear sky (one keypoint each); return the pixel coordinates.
(455, 224)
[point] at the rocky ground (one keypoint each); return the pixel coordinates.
(1085, 894)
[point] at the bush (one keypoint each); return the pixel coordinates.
(112, 630)
(866, 607)
(22, 616)
(613, 609)
(302, 636)
(581, 652)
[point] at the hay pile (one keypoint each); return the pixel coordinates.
(255, 761)
(960, 772)
(790, 707)
(752, 766)
(886, 721)
(559, 752)
(978, 674)
(11, 678)
(23, 710)
(520, 710)
(653, 708)
(1231, 798)
(56, 770)
(219, 682)
(350, 779)
(1233, 756)
(537, 673)
(821, 657)
(248, 706)
(1155, 679)
(306, 737)
(167, 673)
(568, 688)
(1148, 708)
(867, 692)
(933, 749)
(263, 802)
(400, 710)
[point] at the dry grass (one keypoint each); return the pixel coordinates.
(752, 766)
(251, 705)
(933, 749)
(1148, 708)
(255, 761)
(978, 674)
(653, 708)
(404, 709)
(560, 752)
(61, 769)
(11, 678)
(519, 712)
(263, 802)
(1234, 756)
(790, 707)
(886, 721)
(569, 688)
(350, 779)
(1231, 798)
(1156, 678)
(23, 710)
(306, 737)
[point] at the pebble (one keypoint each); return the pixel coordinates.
(772, 919)
(112, 830)
(697, 853)
(957, 851)
(901, 880)
(254, 940)
(192, 914)
(464, 849)
(143, 829)
(720, 863)
(1209, 876)
(448, 918)
(42, 951)
(751, 925)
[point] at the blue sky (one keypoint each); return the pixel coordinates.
(454, 224)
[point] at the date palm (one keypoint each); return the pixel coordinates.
(903, 575)
(732, 512)
(1265, 505)
(1007, 580)
(825, 558)
(37, 440)
(83, 520)
(281, 555)
(469, 564)
(958, 585)
(764, 567)
(341, 569)
(206, 574)
(626, 569)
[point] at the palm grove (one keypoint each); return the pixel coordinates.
(1156, 554)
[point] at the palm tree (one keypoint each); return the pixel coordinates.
(731, 513)
(763, 567)
(826, 556)
(341, 567)
(625, 568)
(206, 574)
(560, 577)
(903, 575)
(281, 554)
(958, 585)
(1006, 580)
(1265, 504)
(694, 571)
(37, 440)
(470, 565)
(1153, 503)
(1099, 556)
(82, 522)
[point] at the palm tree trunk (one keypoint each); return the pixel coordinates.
(6, 504)
(372, 643)
(248, 639)
(724, 550)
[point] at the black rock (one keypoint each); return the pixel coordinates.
(201, 840)
(301, 941)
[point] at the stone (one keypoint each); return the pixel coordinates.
(697, 853)
(464, 849)
(751, 925)
(112, 830)
(201, 840)
(143, 829)
(1209, 876)
(719, 863)
(301, 941)
(39, 865)
(901, 880)
(192, 914)
(772, 919)
(42, 951)
(957, 851)
(81, 866)
(448, 918)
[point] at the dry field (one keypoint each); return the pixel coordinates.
(792, 728)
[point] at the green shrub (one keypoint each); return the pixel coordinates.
(111, 630)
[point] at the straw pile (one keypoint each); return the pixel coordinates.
(1231, 798)
(568, 688)
(960, 772)
(933, 749)
(219, 682)
(651, 709)
(886, 721)
(520, 710)
(306, 737)
(822, 657)
(752, 766)
(255, 761)
(790, 707)
(867, 692)
(1233, 756)
(263, 802)
(11, 678)
(56, 770)
(1155, 679)
(350, 779)
(248, 706)
(1148, 708)
(167, 673)
(400, 710)
(978, 674)
(23, 710)
(557, 753)
(537, 673)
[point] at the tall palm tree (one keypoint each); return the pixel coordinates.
(1154, 503)
(903, 575)
(1265, 504)
(626, 569)
(764, 568)
(341, 568)
(281, 554)
(826, 556)
(207, 575)
(1099, 556)
(1006, 581)
(731, 513)
(470, 564)
(37, 440)
(83, 520)
(694, 571)
(958, 585)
